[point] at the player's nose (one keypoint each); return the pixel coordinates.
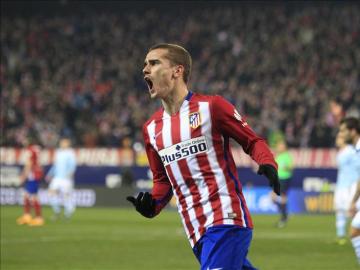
(146, 70)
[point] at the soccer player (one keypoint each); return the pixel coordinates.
(31, 175)
(187, 144)
(61, 176)
(345, 185)
(285, 163)
(350, 130)
(355, 223)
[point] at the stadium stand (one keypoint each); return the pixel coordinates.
(282, 67)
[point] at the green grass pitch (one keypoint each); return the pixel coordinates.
(109, 238)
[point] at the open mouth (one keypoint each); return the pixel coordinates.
(149, 83)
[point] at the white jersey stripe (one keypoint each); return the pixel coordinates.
(167, 139)
(151, 132)
(218, 172)
(185, 133)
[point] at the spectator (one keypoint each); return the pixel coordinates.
(70, 75)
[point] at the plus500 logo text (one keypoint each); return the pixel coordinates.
(183, 150)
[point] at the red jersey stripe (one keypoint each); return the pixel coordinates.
(174, 173)
(187, 174)
(204, 165)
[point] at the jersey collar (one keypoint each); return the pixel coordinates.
(189, 95)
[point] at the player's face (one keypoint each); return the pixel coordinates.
(65, 143)
(345, 133)
(340, 141)
(158, 73)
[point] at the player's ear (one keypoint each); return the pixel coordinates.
(178, 71)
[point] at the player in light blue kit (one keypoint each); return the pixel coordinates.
(350, 130)
(345, 186)
(61, 178)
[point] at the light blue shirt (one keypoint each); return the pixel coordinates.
(357, 146)
(357, 158)
(64, 164)
(348, 167)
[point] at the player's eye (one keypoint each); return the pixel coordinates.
(154, 62)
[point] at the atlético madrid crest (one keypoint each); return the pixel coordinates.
(194, 120)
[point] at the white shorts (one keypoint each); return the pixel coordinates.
(343, 197)
(62, 185)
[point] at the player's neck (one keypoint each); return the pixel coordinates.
(175, 99)
(356, 139)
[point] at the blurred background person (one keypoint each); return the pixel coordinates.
(345, 184)
(286, 166)
(88, 87)
(350, 129)
(31, 176)
(61, 178)
(354, 212)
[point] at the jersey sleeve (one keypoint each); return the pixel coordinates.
(162, 189)
(229, 123)
(72, 162)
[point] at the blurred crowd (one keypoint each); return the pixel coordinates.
(288, 69)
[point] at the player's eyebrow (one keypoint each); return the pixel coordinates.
(152, 61)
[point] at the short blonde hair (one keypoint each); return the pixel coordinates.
(177, 55)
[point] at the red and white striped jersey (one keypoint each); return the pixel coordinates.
(190, 157)
(36, 171)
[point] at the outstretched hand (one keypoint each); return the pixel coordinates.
(144, 204)
(271, 174)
